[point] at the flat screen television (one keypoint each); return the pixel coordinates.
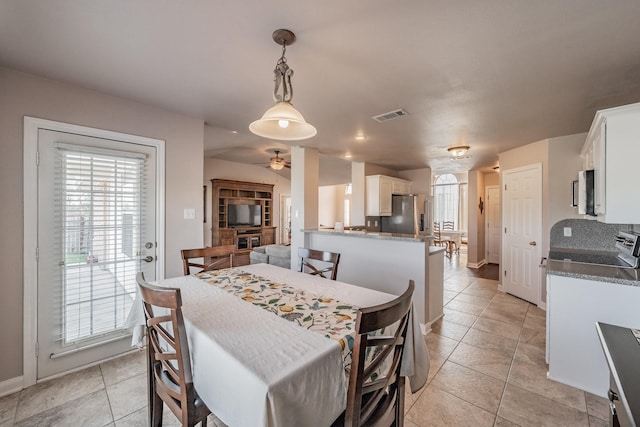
(244, 215)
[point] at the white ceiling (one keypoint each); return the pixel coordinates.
(491, 74)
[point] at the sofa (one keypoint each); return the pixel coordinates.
(279, 255)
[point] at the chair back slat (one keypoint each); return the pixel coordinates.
(318, 263)
(214, 258)
(379, 400)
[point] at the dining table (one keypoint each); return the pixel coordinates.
(272, 347)
(452, 238)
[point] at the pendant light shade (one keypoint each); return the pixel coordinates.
(282, 121)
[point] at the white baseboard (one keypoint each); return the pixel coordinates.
(542, 306)
(476, 264)
(426, 328)
(11, 386)
(501, 288)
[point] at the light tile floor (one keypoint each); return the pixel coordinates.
(487, 369)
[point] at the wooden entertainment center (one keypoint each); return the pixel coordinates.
(243, 235)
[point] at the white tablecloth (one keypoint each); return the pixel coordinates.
(253, 368)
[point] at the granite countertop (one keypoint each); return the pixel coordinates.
(436, 249)
(375, 235)
(589, 268)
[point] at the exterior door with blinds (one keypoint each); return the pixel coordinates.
(96, 231)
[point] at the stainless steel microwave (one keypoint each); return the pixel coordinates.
(586, 202)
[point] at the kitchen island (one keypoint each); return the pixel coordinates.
(383, 261)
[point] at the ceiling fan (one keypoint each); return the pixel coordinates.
(277, 162)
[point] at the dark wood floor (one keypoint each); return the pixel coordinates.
(459, 261)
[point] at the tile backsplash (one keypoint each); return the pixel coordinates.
(586, 234)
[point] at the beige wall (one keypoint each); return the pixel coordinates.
(564, 164)
(491, 178)
(330, 205)
(371, 169)
(222, 169)
(420, 180)
(476, 244)
(27, 95)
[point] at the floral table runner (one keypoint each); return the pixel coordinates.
(327, 316)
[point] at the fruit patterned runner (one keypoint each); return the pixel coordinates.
(327, 316)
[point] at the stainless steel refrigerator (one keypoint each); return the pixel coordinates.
(409, 215)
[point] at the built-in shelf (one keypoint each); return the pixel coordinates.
(225, 192)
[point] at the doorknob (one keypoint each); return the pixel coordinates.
(532, 243)
(148, 258)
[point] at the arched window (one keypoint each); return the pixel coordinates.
(446, 198)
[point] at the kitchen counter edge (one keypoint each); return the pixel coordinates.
(373, 235)
(599, 273)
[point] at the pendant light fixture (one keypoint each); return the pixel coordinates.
(282, 121)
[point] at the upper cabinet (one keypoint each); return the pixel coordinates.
(379, 189)
(612, 150)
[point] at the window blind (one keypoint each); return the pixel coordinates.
(99, 228)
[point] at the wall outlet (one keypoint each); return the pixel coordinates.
(567, 231)
(375, 222)
(189, 214)
(368, 223)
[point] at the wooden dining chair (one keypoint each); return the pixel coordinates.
(451, 244)
(168, 361)
(325, 262)
(437, 241)
(375, 396)
(215, 258)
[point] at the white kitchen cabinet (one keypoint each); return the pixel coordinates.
(379, 191)
(400, 186)
(611, 150)
(574, 306)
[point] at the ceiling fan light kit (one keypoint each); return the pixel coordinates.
(277, 162)
(282, 121)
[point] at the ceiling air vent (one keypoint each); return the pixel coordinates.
(390, 115)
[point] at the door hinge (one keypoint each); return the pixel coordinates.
(37, 349)
(505, 230)
(37, 158)
(37, 254)
(505, 273)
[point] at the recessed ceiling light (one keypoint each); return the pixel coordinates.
(348, 156)
(360, 138)
(234, 131)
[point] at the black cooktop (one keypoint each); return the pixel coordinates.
(598, 258)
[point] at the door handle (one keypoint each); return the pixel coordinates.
(533, 243)
(148, 258)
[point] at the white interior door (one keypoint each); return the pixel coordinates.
(522, 237)
(96, 231)
(494, 224)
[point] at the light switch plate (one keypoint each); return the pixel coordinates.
(189, 214)
(567, 231)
